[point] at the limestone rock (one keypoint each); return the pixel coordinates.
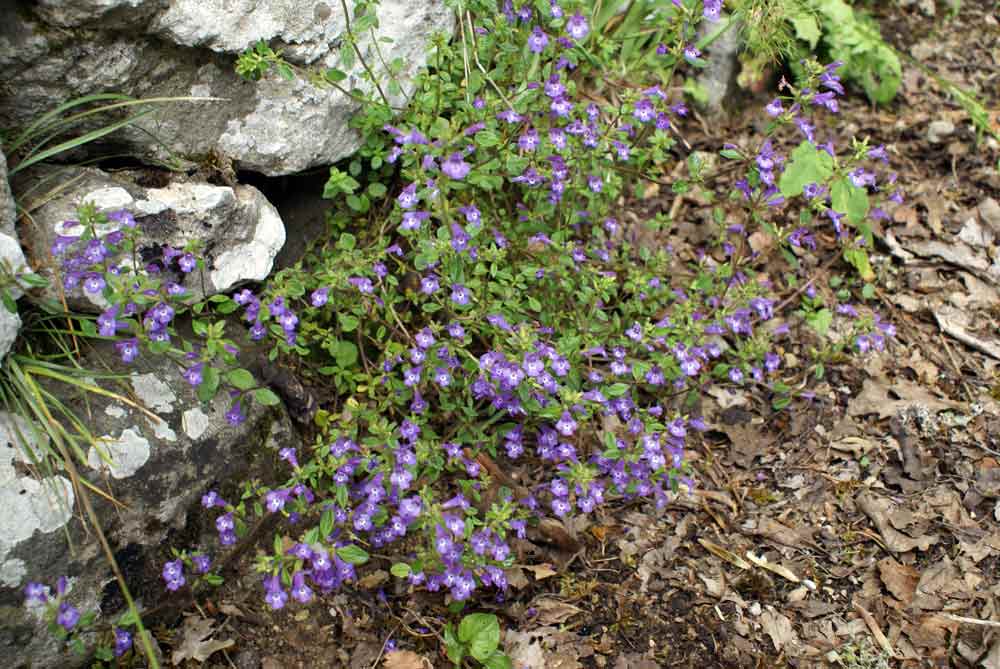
(238, 230)
(939, 131)
(56, 50)
(159, 461)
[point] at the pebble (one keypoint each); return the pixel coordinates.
(938, 131)
(989, 212)
(755, 609)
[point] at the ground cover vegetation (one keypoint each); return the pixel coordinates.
(481, 306)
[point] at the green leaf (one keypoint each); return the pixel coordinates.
(352, 554)
(241, 379)
(498, 661)
(820, 321)
(849, 199)
(209, 384)
(400, 570)
(347, 242)
(806, 29)
(730, 154)
(326, 523)
(858, 258)
(348, 322)
(266, 397)
(807, 165)
(334, 75)
(347, 354)
(481, 631)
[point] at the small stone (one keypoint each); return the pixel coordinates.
(938, 131)
(755, 609)
(989, 212)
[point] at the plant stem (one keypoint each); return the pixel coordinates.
(357, 51)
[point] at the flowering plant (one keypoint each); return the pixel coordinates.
(509, 348)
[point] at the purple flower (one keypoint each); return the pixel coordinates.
(123, 641)
(459, 294)
(173, 574)
(68, 616)
(455, 167)
(93, 282)
(429, 285)
(35, 593)
(538, 40)
(774, 108)
(201, 563)
(128, 349)
(187, 263)
(193, 374)
(408, 198)
(122, 217)
(413, 219)
(235, 414)
(319, 297)
(576, 26)
(712, 9)
(363, 284)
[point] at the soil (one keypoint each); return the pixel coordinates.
(865, 521)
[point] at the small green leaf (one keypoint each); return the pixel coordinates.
(241, 379)
(266, 397)
(400, 570)
(352, 554)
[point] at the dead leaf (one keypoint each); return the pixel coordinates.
(874, 398)
(720, 552)
(406, 659)
(778, 569)
(374, 579)
(900, 580)
(879, 511)
(195, 642)
(779, 628)
(552, 611)
(957, 323)
(541, 571)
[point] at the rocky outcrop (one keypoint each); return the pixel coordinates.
(55, 50)
(11, 260)
(155, 462)
(237, 231)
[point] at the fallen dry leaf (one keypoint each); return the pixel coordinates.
(552, 611)
(878, 510)
(406, 659)
(195, 642)
(779, 628)
(541, 571)
(900, 580)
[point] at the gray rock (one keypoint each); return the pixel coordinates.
(8, 212)
(61, 49)
(239, 232)
(719, 78)
(156, 462)
(939, 131)
(989, 212)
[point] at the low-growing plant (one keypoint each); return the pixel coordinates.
(478, 637)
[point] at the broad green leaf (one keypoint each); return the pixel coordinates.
(241, 379)
(352, 554)
(807, 165)
(849, 199)
(266, 397)
(481, 631)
